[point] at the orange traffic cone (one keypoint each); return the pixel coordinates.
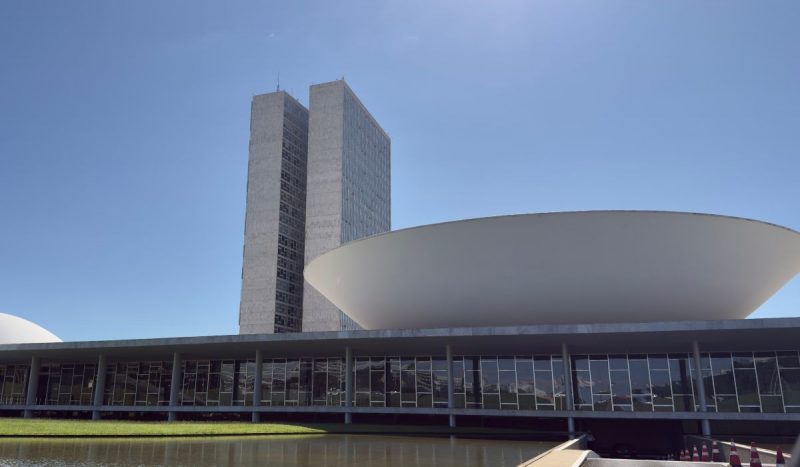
(685, 455)
(754, 458)
(695, 456)
(716, 456)
(734, 460)
(704, 457)
(779, 460)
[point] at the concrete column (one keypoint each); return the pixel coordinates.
(568, 386)
(33, 386)
(348, 384)
(257, 387)
(450, 389)
(99, 385)
(175, 387)
(701, 388)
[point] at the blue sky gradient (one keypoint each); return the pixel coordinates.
(124, 130)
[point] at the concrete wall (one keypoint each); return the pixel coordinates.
(257, 309)
(348, 186)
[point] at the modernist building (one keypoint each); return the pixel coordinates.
(562, 321)
(341, 154)
(349, 186)
(274, 231)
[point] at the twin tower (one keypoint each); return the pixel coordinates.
(317, 178)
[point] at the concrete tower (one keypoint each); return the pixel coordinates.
(349, 186)
(274, 232)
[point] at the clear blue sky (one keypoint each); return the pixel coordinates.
(124, 130)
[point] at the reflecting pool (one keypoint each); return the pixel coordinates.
(300, 451)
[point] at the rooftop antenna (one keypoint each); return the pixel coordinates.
(278, 84)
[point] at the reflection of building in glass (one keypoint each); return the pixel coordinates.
(743, 382)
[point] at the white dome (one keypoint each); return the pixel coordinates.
(15, 330)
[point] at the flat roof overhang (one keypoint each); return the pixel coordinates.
(654, 337)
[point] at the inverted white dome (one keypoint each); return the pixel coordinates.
(16, 330)
(558, 268)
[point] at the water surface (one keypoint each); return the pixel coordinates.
(294, 451)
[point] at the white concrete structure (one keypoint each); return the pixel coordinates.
(349, 186)
(274, 231)
(555, 268)
(16, 330)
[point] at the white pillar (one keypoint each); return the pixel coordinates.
(177, 382)
(568, 387)
(348, 384)
(450, 389)
(33, 387)
(701, 388)
(256, 417)
(99, 385)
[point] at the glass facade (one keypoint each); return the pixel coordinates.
(66, 383)
(13, 381)
(292, 219)
(767, 382)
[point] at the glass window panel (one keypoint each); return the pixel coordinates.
(458, 366)
(772, 404)
(392, 381)
(558, 377)
(541, 362)
(525, 379)
(679, 373)
(640, 377)
(489, 377)
(661, 387)
(362, 399)
(506, 363)
(472, 363)
(726, 403)
(424, 381)
(618, 362)
(377, 385)
(544, 387)
(407, 363)
(742, 360)
(769, 380)
(580, 362)
(684, 403)
(788, 360)
(600, 377)
(602, 403)
(491, 401)
(423, 364)
(424, 401)
(527, 402)
(790, 382)
(362, 379)
(377, 363)
(472, 386)
(620, 387)
(440, 386)
(658, 361)
(723, 374)
(439, 364)
(746, 387)
(623, 408)
(408, 386)
(582, 387)
(508, 387)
